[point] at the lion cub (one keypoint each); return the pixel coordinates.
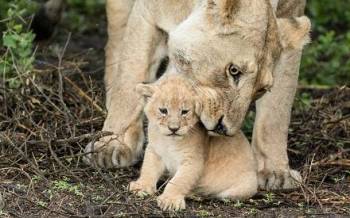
(220, 166)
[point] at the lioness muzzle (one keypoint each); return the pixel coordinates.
(220, 128)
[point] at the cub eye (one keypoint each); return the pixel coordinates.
(163, 111)
(184, 112)
(234, 71)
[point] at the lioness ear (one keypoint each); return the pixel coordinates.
(227, 8)
(294, 32)
(145, 90)
(198, 107)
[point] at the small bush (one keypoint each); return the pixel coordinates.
(16, 60)
(82, 13)
(327, 60)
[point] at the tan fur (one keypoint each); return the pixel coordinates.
(219, 166)
(290, 8)
(202, 38)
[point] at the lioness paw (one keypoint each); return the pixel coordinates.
(109, 153)
(122, 156)
(141, 189)
(279, 180)
(295, 180)
(169, 203)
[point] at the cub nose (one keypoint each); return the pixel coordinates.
(173, 129)
(220, 128)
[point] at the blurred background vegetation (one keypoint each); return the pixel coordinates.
(326, 60)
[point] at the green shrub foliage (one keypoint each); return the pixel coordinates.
(326, 60)
(16, 57)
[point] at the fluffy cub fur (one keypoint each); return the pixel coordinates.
(223, 167)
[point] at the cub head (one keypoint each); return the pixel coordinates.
(172, 105)
(230, 49)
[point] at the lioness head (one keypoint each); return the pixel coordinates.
(172, 105)
(230, 48)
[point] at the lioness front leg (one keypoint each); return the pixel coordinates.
(152, 169)
(271, 126)
(117, 14)
(125, 107)
(186, 177)
(270, 135)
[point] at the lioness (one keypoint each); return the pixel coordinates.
(238, 48)
(217, 166)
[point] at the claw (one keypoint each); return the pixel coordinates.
(109, 154)
(279, 180)
(87, 157)
(171, 203)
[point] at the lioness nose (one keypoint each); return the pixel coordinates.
(174, 129)
(220, 128)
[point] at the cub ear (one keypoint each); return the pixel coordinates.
(294, 32)
(146, 90)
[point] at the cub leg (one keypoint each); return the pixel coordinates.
(152, 169)
(125, 105)
(186, 177)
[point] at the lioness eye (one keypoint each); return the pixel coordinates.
(234, 72)
(163, 111)
(184, 112)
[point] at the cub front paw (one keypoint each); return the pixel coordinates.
(279, 179)
(141, 189)
(109, 152)
(171, 203)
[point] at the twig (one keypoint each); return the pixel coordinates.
(82, 94)
(60, 90)
(339, 120)
(43, 206)
(89, 136)
(8, 141)
(317, 87)
(341, 163)
(60, 163)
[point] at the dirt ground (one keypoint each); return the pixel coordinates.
(45, 125)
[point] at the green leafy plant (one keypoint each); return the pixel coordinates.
(64, 185)
(3, 214)
(41, 203)
(252, 211)
(238, 204)
(204, 213)
(79, 18)
(269, 198)
(16, 60)
(326, 60)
